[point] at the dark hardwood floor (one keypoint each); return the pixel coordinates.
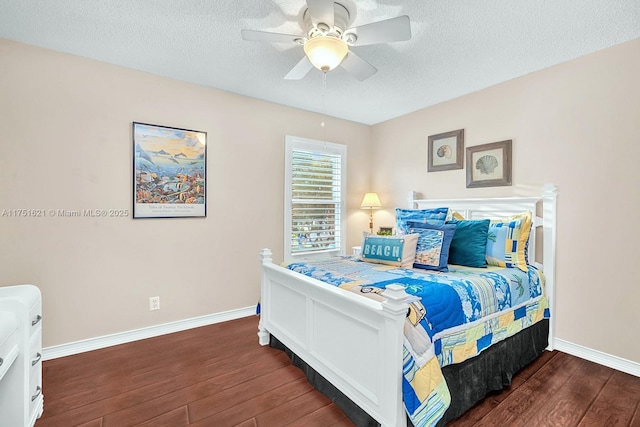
(218, 375)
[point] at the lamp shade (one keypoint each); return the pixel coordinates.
(371, 201)
(325, 52)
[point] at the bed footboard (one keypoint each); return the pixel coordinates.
(354, 342)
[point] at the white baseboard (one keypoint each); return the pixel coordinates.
(90, 344)
(596, 356)
(139, 334)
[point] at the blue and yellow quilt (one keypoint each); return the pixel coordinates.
(456, 315)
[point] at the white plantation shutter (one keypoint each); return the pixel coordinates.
(314, 192)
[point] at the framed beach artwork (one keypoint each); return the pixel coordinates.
(169, 166)
(489, 165)
(445, 151)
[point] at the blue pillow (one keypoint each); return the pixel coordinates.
(434, 241)
(436, 216)
(469, 244)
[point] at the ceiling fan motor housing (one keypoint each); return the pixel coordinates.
(342, 19)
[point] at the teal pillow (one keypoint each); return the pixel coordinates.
(434, 241)
(469, 244)
(436, 216)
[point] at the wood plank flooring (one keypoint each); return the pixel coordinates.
(218, 375)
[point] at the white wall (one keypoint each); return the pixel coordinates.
(66, 143)
(576, 125)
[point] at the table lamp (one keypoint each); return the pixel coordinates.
(371, 201)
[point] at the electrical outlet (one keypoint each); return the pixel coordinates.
(154, 303)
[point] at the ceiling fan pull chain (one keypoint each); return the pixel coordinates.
(324, 84)
(324, 90)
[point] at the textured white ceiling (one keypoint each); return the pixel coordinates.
(458, 46)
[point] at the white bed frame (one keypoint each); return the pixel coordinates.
(356, 343)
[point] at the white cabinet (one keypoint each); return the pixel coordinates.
(21, 400)
(8, 342)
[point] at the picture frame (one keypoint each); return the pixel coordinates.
(489, 165)
(169, 172)
(445, 151)
(385, 231)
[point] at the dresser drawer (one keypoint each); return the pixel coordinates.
(35, 394)
(35, 318)
(35, 353)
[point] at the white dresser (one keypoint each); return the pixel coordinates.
(21, 400)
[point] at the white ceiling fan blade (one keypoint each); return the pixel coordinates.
(321, 11)
(266, 36)
(358, 67)
(300, 70)
(390, 30)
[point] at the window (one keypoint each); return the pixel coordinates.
(315, 188)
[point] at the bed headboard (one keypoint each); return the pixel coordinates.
(542, 241)
(542, 208)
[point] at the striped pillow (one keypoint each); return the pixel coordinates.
(507, 241)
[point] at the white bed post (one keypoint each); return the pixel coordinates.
(263, 334)
(411, 204)
(395, 305)
(549, 198)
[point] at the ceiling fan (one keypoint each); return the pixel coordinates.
(327, 39)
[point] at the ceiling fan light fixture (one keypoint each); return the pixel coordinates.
(325, 52)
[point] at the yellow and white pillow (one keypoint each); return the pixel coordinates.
(507, 241)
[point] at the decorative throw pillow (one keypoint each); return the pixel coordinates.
(391, 250)
(454, 215)
(434, 241)
(436, 216)
(469, 244)
(507, 240)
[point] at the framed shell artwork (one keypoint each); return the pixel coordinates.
(445, 151)
(489, 165)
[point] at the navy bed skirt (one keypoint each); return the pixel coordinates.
(469, 381)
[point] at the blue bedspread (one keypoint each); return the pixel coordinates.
(458, 314)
